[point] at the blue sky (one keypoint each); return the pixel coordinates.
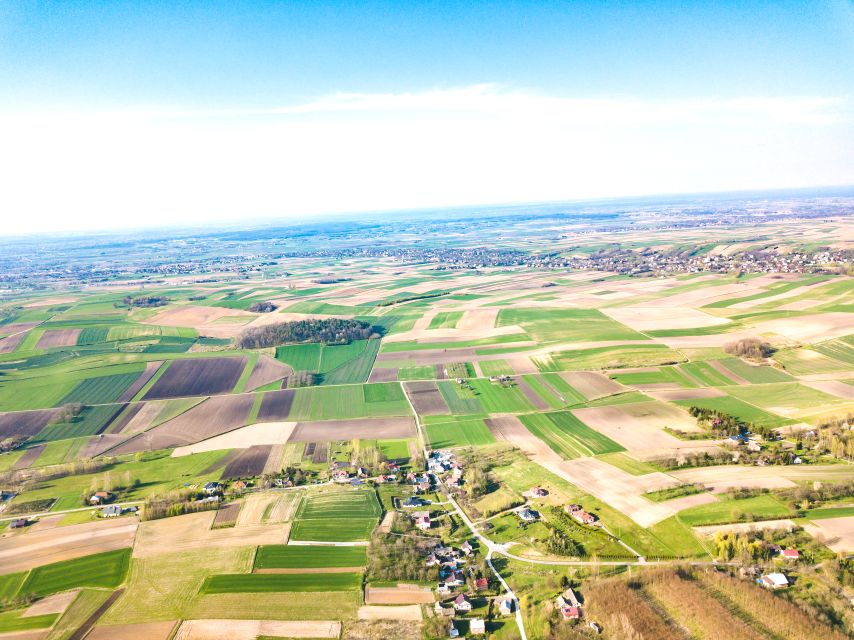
(190, 111)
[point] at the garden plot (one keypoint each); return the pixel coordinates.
(193, 531)
(54, 338)
(197, 377)
(365, 429)
(836, 533)
(592, 385)
(211, 418)
(212, 629)
(38, 548)
(426, 399)
(639, 427)
(617, 488)
(267, 370)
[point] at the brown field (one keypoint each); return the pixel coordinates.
(440, 372)
(226, 515)
(10, 343)
(24, 423)
(625, 613)
(150, 369)
(388, 520)
(369, 428)
(592, 385)
(249, 463)
(510, 429)
(774, 477)
(380, 612)
(425, 397)
(531, 395)
(426, 357)
(662, 317)
(197, 377)
(142, 420)
(16, 328)
(26, 635)
(383, 375)
(53, 338)
(29, 457)
(38, 548)
(56, 603)
(142, 631)
(720, 368)
(639, 426)
(402, 594)
(253, 508)
(833, 387)
(195, 316)
(274, 460)
(677, 504)
(121, 423)
(267, 370)
(276, 406)
(193, 531)
(252, 629)
(745, 527)
(836, 533)
(617, 488)
(212, 417)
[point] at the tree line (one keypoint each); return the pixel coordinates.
(327, 331)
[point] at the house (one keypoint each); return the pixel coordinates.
(477, 626)
(431, 560)
(100, 497)
(481, 584)
(443, 588)
(466, 548)
(422, 520)
(412, 503)
(111, 511)
(774, 581)
(570, 613)
(461, 603)
(572, 508)
(584, 518)
(211, 488)
(528, 515)
(453, 632)
(790, 554)
(239, 485)
(505, 607)
(19, 523)
(535, 492)
(341, 476)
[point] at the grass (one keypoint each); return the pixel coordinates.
(570, 325)
(349, 401)
(106, 569)
(735, 407)
(705, 374)
(314, 557)
(240, 385)
(446, 320)
(829, 512)
(15, 621)
(567, 436)
(762, 507)
(273, 582)
(496, 368)
(627, 463)
(302, 357)
(460, 399)
(423, 372)
(791, 397)
(333, 529)
(337, 516)
(90, 421)
(84, 605)
(294, 605)
(10, 584)
(394, 449)
(102, 389)
(838, 349)
(617, 357)
(59, 451)
(754, 374)
(496, 397)
(661, 375)
(340, 364)
(462, 432)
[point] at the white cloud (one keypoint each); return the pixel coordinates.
(349, 152)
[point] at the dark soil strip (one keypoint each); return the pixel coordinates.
(249, 463)
(383, 375)
(226, 515)
(309, 450)
(125, 418)
(321, 454)
(29, 457)
(91, 620)
(225, 460)
(115, 414)
(24, 423)
(150, 369)
(276, 405)
(532, 396)
(198, 377)
(440, 372)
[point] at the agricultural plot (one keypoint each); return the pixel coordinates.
(790, 399)
(426, 398)
(567, 436)
(350, 401)
(338, 364)
(91, 421)
(841, 350)
(56, 338)
(424, 372)
(754, 374)
(656, 377)
(101, 390)
(24, 423)
(735, 407)
(705, 374)
(106, 569)
(457, 432)
(609, 358)
(266, 371)
(460, 400)
(547, 325)
(277, 582)
(249, 463)
(276, 405)
(197, 377)
(763, 507)
(496, 368)
(309, 557)
(802, 362)
(340, 516)
(497, 397)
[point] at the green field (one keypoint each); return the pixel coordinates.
(791, 396)
(424, 372)
(275, 582)
(102, 389)
(567, 436)
(446, 320)
(333, 529)
(459, 432)
(661, 375)
(90, 421)
(808, 361)
(627, 463)
(705, 374)
(11, 621)
(10, 583)
(338, 516)
(754, 374)
(571, 325)
(495, 397)
(313, 557)
(837, 349)
(339, 364)
(609, 358)
(496, 368)
(106, 569)
(302, 357)
(741, 410)
(394, 449)
(762, 507)
(349, 401)
(829, 512)
(460, 400)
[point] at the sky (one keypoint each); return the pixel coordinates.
(135, 114)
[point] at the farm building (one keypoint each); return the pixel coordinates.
(211, 488)
(19, 523)
(100, 497)
(774, 581)
(111, 511)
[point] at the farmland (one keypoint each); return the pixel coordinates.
(568, 436)
(459, 432)
(297, 557)
(273, 582)
(336, 517)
